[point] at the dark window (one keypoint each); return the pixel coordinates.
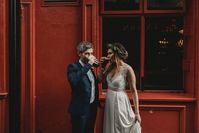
(165, 4)
(125, 30)
(60, 0)
(163, 53)
(121, 4)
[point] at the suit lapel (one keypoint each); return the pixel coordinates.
(80, 66)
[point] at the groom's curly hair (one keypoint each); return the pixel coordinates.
(83, 46)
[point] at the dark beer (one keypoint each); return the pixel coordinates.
(105, 61)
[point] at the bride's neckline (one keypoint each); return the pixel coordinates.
(122, 67)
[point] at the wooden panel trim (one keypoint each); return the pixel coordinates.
(4, 121)
(196, 11)
(27, 67)
(142, 47)
(54, 3)
(3, 46)
(3, 95)
(159, 97)
(180, 108)
(87, 22)
(90, 23)
(88, 26)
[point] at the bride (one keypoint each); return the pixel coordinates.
(119, 116)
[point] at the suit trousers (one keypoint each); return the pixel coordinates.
(85, 123)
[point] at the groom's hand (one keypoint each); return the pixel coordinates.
(92, 60)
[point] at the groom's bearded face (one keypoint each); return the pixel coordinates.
(84, 56)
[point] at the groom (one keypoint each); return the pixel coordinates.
(84, 101)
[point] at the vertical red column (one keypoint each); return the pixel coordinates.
(3, 66)
(90, 25)
(91, 31)
(90, 22)
(27, 67)
(197, 65)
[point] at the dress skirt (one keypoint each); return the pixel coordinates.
(118, 114)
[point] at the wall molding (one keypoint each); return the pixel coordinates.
(54, 3)
(3, 95)
(3, 46)
(196, 11)
(27, 67)
(90, 26)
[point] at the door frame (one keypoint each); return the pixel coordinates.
(14, 65)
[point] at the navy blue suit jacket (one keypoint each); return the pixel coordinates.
(81, 88)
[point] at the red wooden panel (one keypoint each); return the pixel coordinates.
(164, 119)
(156, 119)
(58, 30)
(160, 121)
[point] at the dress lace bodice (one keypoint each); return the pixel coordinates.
(118, 81)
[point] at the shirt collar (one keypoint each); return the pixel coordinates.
(81, 62)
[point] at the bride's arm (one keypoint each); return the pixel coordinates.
(104, 68)
(101, 75)
(132, 84)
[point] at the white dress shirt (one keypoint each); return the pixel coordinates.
(92, 80)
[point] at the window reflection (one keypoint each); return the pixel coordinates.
(163, 52)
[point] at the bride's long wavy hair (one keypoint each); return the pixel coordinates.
(120, 53)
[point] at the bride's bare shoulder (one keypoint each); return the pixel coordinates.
(128, 68)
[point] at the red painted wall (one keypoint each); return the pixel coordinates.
(48, 44)
(58, 30)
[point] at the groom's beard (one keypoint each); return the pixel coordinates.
(84, 60)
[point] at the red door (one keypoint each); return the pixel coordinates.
(58, 30)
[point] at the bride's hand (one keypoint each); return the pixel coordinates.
(104, 61)
(137, 118)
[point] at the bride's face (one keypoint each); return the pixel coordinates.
(110, 55)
